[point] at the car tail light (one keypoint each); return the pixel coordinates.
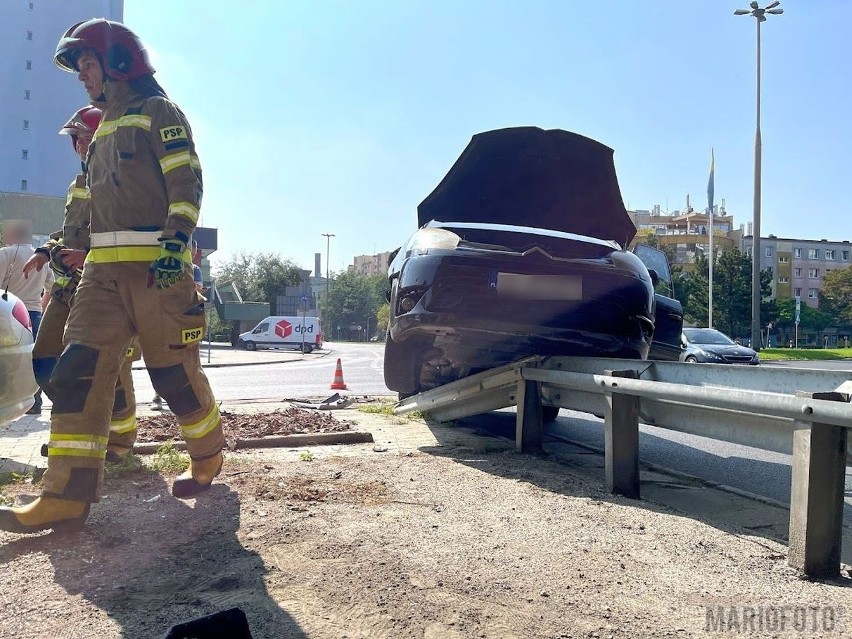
(20, 313)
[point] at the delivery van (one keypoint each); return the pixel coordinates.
(278, 331)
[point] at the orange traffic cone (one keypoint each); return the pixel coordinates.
(338, 383)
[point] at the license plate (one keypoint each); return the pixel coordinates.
(540, 287)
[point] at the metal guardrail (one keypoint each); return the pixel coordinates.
(806, 413)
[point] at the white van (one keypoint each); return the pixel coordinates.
(278, 331)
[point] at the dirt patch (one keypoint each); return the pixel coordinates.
(286, 421)
(449, 541)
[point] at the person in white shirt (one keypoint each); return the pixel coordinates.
(29, 288)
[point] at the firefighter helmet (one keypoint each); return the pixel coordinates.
(120, 51)
(85, 120)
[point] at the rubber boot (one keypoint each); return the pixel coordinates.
(199, 476)
(63, 515)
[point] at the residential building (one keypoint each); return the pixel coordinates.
(799, 266)
(371, 264)
(37, 100)
(686, 233)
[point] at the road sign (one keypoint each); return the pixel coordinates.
(798, 307)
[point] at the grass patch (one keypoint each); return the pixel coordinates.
(805, 354)
(385, 408)
(127, 465)
(306, 456)
(168, 459)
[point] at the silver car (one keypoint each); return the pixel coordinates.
(709, 346)
(17, 382)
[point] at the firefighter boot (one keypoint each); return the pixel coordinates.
(63, 515)
(199, 476)
(115, 453)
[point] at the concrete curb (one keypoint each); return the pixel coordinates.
(276, 441)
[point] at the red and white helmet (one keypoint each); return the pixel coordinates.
(86, 120)
(120, 51)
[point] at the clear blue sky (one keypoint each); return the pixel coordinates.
(316, 116)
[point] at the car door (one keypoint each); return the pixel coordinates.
(668, 312)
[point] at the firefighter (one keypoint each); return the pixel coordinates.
(144, 180)
(65, 251)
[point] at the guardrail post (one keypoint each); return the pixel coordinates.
(816, 500)
(621, 450)
(529, 427)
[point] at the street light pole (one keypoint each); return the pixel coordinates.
(760, 16)
(327, 237)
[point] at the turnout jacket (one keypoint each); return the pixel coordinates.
(143, 174)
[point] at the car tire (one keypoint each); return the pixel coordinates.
(250, 346)
(690, 360)
(549, 414)
(402, 374)
(307, 349)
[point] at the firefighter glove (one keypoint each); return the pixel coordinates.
(56, 262)
(167, 269)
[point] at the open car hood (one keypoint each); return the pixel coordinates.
(527, 176)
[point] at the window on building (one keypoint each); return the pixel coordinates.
(845, 255)
(26, 125)
(797, 272)
(829, 254)
(768, 251)
(813, 254)
(29, 65)
(797, 292)
(748, 252)
(827, 271)
(783, 259)
(783, 280)
(24, 154)
(813, 293)
(813, 273)
(26, 94)
(23, 185)
(29, 35)
(797, 252)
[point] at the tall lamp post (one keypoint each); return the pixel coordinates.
(327, 237)
(760, 16)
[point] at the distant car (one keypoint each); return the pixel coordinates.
(17, 382)
(521, 252)
(709, 346)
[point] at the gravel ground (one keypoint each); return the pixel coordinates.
(444, 540)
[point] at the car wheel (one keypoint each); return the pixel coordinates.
(691, 360)
(307, 348)
(402, 373)
(549, 414)
(250, 346)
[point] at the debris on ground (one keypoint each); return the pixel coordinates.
(288, 421)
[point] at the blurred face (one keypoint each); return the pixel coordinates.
(91, 74)
(81, 145)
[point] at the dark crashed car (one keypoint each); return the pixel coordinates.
(520, 251)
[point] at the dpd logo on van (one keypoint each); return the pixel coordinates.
(283, 328)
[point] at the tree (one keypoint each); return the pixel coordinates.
(353, 300)
(260, 277)
(731, 293)
(836, 295)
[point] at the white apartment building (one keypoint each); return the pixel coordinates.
(38, 98)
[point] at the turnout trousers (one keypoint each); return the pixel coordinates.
(48, 348)
(112, 304)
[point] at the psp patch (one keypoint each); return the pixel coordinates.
(190, 335)
(169, 133)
